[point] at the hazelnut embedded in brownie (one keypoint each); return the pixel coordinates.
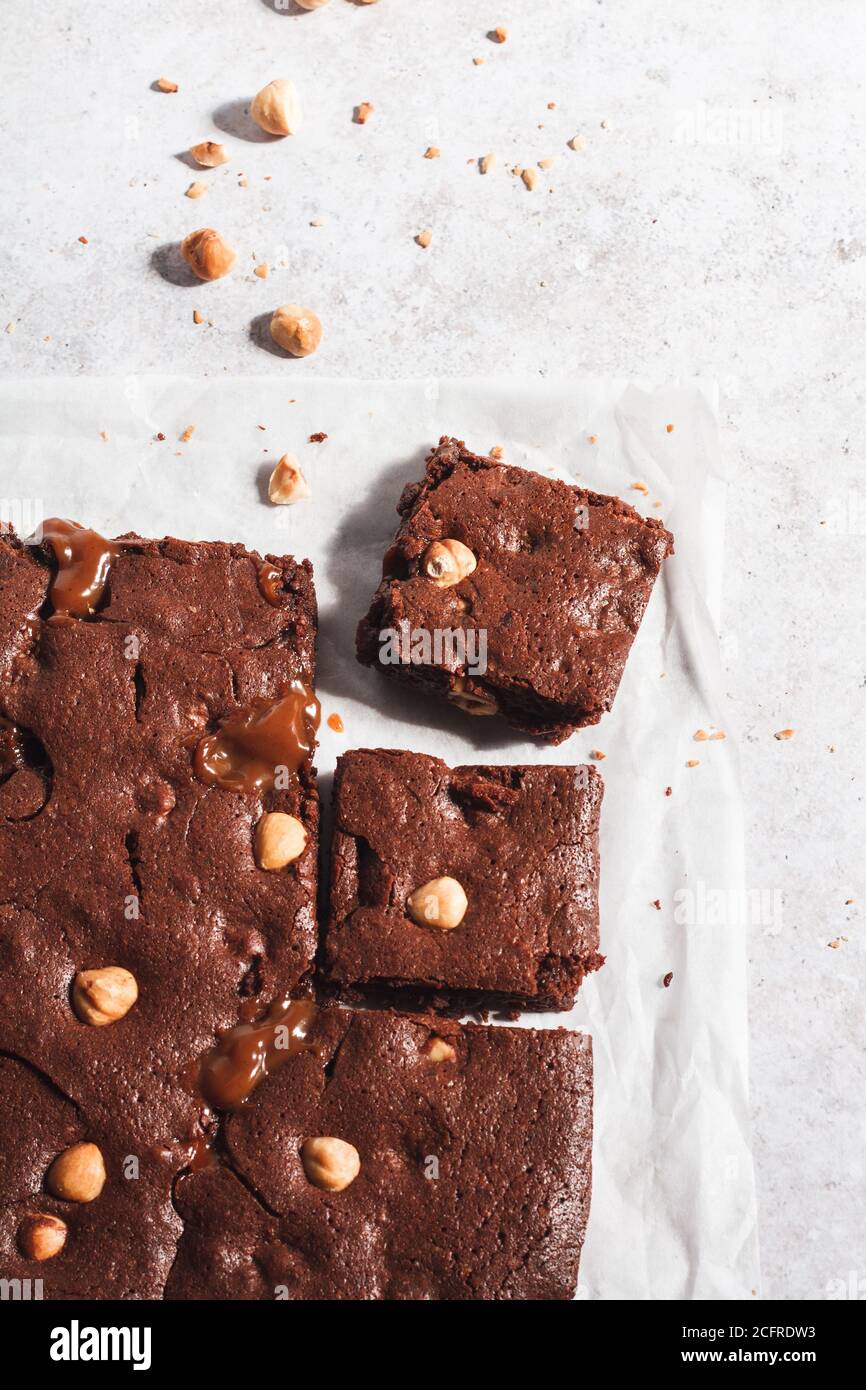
(399, 1157)
(463, 887)
(545, 585)
(158, 840)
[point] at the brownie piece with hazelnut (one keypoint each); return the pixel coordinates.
(463, 887)
(158, 849)
(544, 584)
(399, 1157)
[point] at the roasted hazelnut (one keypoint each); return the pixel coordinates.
(439, 903)
(41, 1236)
(78, 1174)
(280, 840)
(447, 562)
(207, 254)
(103, 996)
(468, 700)
(277, 108)
(297, 330)
(208, 153)
(311, 4)
(287, 483)
(438, 1050)
(330, 1163)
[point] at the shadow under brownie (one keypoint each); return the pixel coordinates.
(545, 583)
(519, 843)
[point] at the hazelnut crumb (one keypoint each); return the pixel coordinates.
(197, 316)
(718, 736)
(577, 142)
(667, 979)
(499, 34)
(432, 152)
(693, 762)
(669, 428)
(317, 222)
(669, 791)
(486, 162)
(597, 755)
(363, 112)
(318, 438)
(497, 451)
(165, 85)
(103, 435)
(187, 434)
(545, 163)
(551, 106)
(243, 183)
(592, 439)
(785, 733)
(424, 238)
(530, 178)
(700, 735)
(657, 904)
(836, 942)
(208, 153)
(479, 62)
(262, 270)
(640, 487)
(84, 241)
(160, 436)
(195, 190)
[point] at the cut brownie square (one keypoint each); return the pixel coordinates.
(155, 703)
(399, 1158)
(519, 843)
(510, 592)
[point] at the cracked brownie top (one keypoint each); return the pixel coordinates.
(158, 839)
(467, 885)
(553, 577)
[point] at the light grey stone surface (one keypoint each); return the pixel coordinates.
(714, 224)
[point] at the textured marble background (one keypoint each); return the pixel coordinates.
(715, 224)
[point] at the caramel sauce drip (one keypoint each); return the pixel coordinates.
(246, 751)
(230, 1072)
(336, 723)
(271, 583)
(83, 561)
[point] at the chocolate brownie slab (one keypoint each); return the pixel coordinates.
(156, 710)
(544, 583)
(399, 1157)
(465, 886)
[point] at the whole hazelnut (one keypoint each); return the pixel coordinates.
(439, 903)
(208, 153)
(280, 840)
(447, 562)
(78, 1174)
(287, 483)
(207, 254)
(277, 108)
(41, 1236)
(297, 330)
(330, 1163)
(103, 996)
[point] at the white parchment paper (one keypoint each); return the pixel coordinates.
(673, 1210)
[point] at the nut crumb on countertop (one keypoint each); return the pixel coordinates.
(165, 85)
(836, 942)
(432, 152)
(667, 979)
(197, 316)
(785, 733)
(318, 438)
(424, 237)
(497, 452)
(693, 762)
(187, 434)
(657, 904)
(499, 34)
(196, 190)
(598, 755)
(363, 112)
(669, 791)
(486, 162)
